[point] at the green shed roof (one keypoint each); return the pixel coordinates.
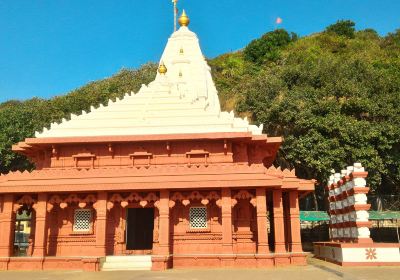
(384, 215)
(314, 216)
(318, 216)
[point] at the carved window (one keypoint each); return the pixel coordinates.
(198, 217)
(82, 220)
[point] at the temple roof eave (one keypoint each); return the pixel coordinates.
(151, 137)
(30, 145)
(65, 187)
(158, 178)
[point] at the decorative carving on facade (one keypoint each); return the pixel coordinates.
(213, 195)
(115, 198)
(141, 153)
(85, 154)
(278, 171)
(55, 199)
(196, 153)
(111, 150)
(54, 151)
(150, 197)
(25, 201)
(71, 199)
(244, 194)
(195, 196)
(133, 197)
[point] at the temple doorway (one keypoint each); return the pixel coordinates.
(139, 225)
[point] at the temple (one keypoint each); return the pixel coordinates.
(158, 179)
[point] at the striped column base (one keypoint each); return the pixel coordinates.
(358, 254)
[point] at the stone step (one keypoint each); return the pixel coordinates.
(120, 263)
(138, 258)
(123, 266)
(124, 269)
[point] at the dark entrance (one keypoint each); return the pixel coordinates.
(140, 224)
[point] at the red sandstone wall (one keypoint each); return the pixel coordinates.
(62, 241)
(121, 154)
(154, 153)
(201, 241)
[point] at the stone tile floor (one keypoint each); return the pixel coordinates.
(316, 269)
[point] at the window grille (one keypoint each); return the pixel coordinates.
(198, 217)
(82, 220)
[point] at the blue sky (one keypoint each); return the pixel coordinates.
(49, 47)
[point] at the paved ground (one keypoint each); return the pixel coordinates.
(316, 270)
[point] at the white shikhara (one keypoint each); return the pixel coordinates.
(183, 100)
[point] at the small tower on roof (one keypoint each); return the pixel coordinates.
(162, 69)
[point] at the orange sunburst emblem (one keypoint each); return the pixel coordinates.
(370, 254)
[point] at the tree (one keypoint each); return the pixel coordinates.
(268, 46)
(342, 28)
(333, 108)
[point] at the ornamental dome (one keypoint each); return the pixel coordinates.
(162, 69)
(184, 19)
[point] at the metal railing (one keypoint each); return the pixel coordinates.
(384, 202)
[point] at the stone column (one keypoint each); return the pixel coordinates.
(294, 214)
(39, 247)
(360, 214)
(262, 233)
(226, 215)
(161, 259)
(101, 223)
(279, 229)
(164, 223)
(6, 226)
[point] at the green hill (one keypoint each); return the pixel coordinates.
(334, 96)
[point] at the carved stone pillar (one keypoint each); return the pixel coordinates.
(262, 233)
(39, 247)
(164, 246)
(226, 215)
(6, 226)
(101, 223)
(162, 257)
(295, 237)
(279, 229)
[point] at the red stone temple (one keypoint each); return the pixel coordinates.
(158, 179)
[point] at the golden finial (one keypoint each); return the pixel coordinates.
(184, 19)
(162, 69)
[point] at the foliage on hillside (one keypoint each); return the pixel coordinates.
(20, 119)
(334, 96)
